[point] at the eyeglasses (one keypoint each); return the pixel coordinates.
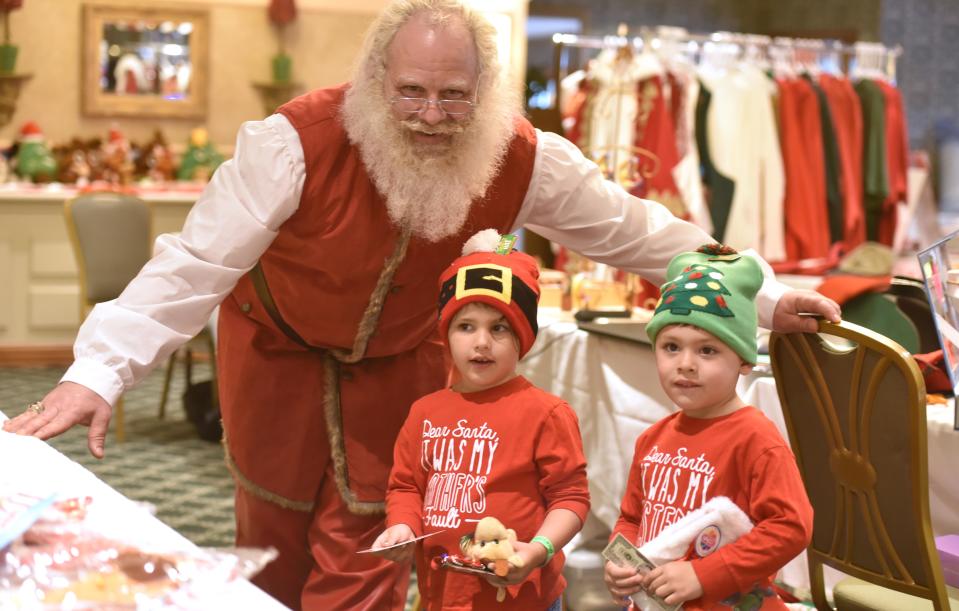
(453, 108)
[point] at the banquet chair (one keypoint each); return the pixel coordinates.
(111, 234)
(854, 406)
(910, 296)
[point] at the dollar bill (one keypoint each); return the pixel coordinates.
(623, 553)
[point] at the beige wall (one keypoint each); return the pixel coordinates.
(323, 42)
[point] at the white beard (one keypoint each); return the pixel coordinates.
(429, 188)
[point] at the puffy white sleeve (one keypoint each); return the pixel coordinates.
(234, 221)
(571, 203)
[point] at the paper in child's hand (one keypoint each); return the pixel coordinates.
(407, 542)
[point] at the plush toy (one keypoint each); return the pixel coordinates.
(492, 543)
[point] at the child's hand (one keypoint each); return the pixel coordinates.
(391, 536)
(674, 582)
(531, 555)
(621, 583)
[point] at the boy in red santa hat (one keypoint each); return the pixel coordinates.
(491, 444)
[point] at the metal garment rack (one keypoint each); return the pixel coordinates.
(868, 59)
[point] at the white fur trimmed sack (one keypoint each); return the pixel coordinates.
(698, 533)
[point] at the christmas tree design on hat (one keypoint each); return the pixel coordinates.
(696, 289)
(713, 288)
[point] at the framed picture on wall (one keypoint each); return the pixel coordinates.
(940, 271)
(144, 60)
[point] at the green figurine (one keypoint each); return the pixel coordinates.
(34, 160)
(201, 159)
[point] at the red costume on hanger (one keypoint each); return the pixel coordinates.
(897, 161)
(655, 144)
(847, 114)
(575, 115)
(805, 214)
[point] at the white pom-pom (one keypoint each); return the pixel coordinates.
(483, 241)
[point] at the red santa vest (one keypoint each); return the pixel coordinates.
(321, 270)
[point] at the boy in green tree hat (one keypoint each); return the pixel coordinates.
(714, 497)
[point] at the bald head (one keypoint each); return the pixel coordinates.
(441, 45)
(424, 22)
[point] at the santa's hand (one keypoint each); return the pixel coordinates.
(622, 582)
(526, 558)
(674, 582)
(66, 405)
(787, 315)
(394, 535)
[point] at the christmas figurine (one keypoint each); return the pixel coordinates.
(34, 160)
(117, 158)
(156, 162)
(94, 158)
(72, 160)
(201, 158)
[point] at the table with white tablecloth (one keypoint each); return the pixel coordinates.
(30, 464)
(613, 387)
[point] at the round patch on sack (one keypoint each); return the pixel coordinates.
(708, 540)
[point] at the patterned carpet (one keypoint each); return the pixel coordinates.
(162, 462)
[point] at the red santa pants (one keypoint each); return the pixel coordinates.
(318, 568)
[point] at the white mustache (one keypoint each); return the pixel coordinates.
(445, 129)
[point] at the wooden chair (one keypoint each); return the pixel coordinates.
(854, 405)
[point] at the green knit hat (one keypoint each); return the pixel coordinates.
(714, 289)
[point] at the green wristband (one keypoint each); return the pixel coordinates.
(545, 542)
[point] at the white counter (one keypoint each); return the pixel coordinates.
(38, 274)
(34, 466)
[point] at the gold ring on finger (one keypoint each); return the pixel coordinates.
(36, 407)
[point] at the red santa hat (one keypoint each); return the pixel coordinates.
(31, 130)
(491, 272)
(115, 135)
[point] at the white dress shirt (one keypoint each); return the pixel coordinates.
(250, 196)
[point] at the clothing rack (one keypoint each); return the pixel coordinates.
(734, 38)
(642, 72)
(862, 59)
